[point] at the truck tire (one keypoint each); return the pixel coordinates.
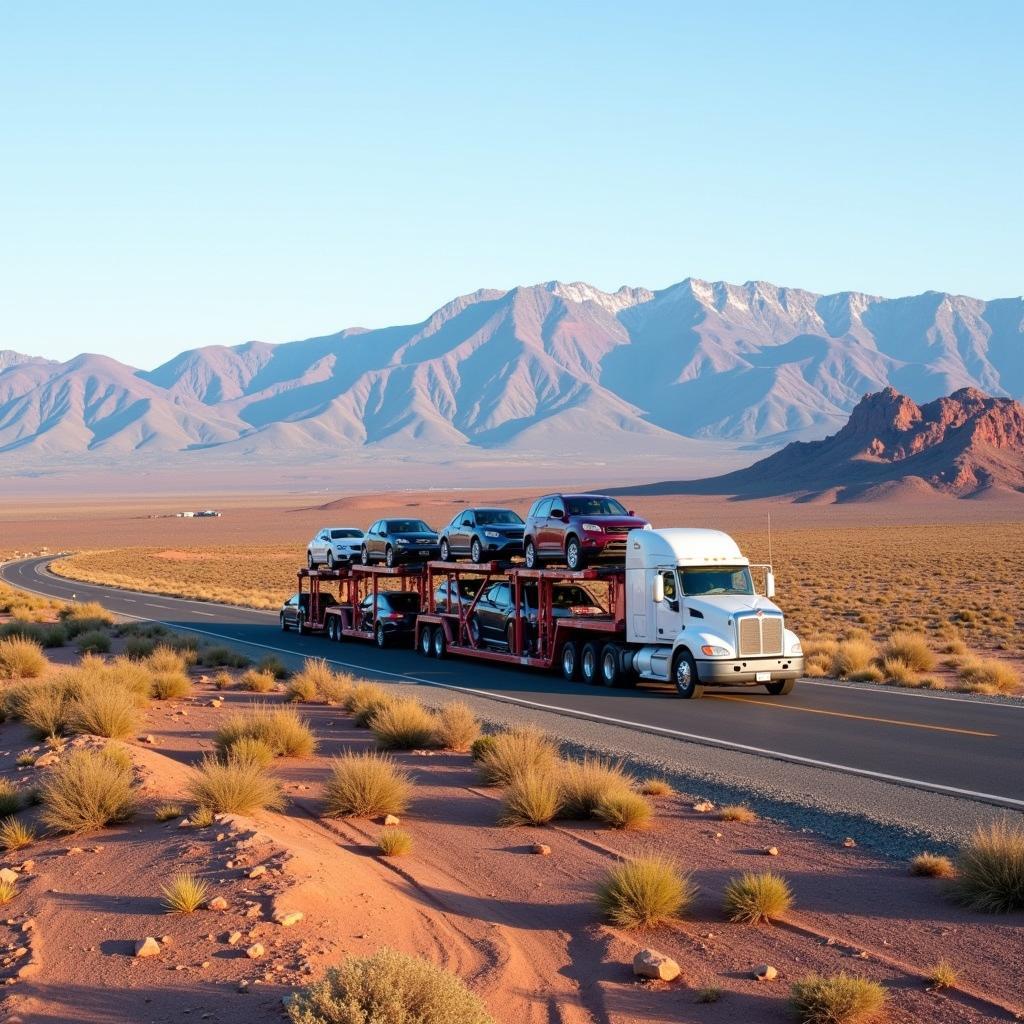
(440, 642)
(330, 627)
(446, 551)
(530, 556)
(380, 636)
(590, 664)
(389, 557)
(781, 688)
(427, 642)
(300, 625)
(476, 551)
(310, 564)
(284, 623)
(611, 666)
(571, 661)
(684, 676)
(574, 558)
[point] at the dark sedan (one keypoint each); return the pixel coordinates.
(391, 616)
(393, 541)
(493, 618)
(295, 611)
(482, 534)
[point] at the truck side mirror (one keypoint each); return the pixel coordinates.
(769, 584)
(659, 589)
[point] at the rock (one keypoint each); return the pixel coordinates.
(703, 806)
(287, 920)
(255, 951)
(765, 972)
(849, 842)
(166, 940)
(217, 903)
(147, 947)
(46, 760)
(73, 851)
(142, 739)
(216, 703)
(28, 925)
(28, 865)
(260, 869)
(27, 970)
(771, 851)
(390, 819)
(184, 823)
(649, 963)
(541, 849)
(7, 875)
(243, 986)
(233, 938)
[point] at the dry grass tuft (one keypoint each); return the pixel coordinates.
(170, 685)
(519, 751)
(365, 700)
(853, 657)
(223, 680)
(896, 670)
(202, 817)
(944, 975)
(656, 787)
(456, 727)
(754, 897)
(367, 785)
(185, 893)
(318, 682)
(625, 810)
(991, 869)
(819, 655)
(166, 659)
(932, 865)
(402, 723)
(591, 782)
(737, 812)
(168, 812)
(645, 892)
(258, 682)
(987, 675)
(911, 648)
(8, 890)
(534, 798)
(282, 729)
(15, 834)
(21, 658)
(10, 797)
(393, 842)
(233, 787)
(93, 641)
(480, 746)
(838, 999)
(105, 711)
(253, 750)
(86, 791)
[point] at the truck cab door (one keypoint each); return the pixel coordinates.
(668, 614)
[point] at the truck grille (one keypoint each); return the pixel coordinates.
(759, 635)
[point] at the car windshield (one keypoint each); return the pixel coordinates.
(403, 602)
(408, 526)
(562, 596)
(593, 505)
(719, 579)
(497, 517)
(342, 534)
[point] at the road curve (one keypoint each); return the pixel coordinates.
(961, 746)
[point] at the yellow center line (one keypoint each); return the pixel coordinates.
(778, 706)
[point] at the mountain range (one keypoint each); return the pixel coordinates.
(554, 368)
(965, 445)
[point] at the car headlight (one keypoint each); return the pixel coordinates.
(401, 540)
(711, 651)
(591, 527)
(492, 534)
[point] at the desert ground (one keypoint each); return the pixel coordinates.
(477, 871)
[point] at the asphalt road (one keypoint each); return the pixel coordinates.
(961, 746)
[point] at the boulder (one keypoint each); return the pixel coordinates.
(257, 871)
(771, 851)
(217, 903)
(289, 919)
(765, 972)
(7, 875)
(649, 963)
(147, 947)
(391, 819)
(541, 849)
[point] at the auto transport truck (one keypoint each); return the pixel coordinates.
(683, 610)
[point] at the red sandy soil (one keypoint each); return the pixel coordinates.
(521, 929)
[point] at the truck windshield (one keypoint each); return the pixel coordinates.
(718, 579)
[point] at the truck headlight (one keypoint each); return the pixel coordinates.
(796, 648)
(492, 534)
(591, 527)
(711, 651)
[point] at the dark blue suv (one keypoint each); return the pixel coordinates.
(482, 534)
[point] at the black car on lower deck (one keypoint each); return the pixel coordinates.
(483, 535)
(493, 618)
(295, 611)
(393, 541)
(391, 616)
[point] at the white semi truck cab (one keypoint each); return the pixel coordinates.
(693, 616)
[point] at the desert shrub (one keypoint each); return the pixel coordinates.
(15, 834)
(46, 708)
(896, 670)
(93, 641)
(943, 975)
(624, 810)
(367, 785)
(233, 787)
(25, 759)
(711, 994)
(8, 890)
(402, 723)
(757, 896)
(103, 711)
(122, 673)
(170, 685)
(335, 690)
(521, 750)
(87, 790)
(456, 727)
(282, 729)
(274, 665)
(166, 659)
(871, 674)
(258, 682)
(46, 634)
(10, 797)
(301, 689)
(21, 658)
(79, 611)
(853, 655)
(387, 988)
(185, 893)
(737, 812)
(932, 865)
(202, 817)
(656, 787)
(139, 648)
(480, 746)
(219, 656)
(223, 681)
(991, 868)
(393, 842)
(249, 748)
(911, 648)
(314, 681)
(954, 645)
(168, 812)
(818, 656)
(533, 798)
(988, 675)
(645, 892)
(118, 756)
(588, 783)
(364, 700)
(837, 999)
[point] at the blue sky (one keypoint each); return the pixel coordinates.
(183, 174)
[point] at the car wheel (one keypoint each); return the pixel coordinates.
(684, 676)
(446, 552)
(380, 637)
(530, 554)
(570, 661)
(330, 561)
(389, 557)
(574, 554)
(475, 551)
(427, 642)
(611, 667)
(781, 688)
(284, 623)
(440, 642)
(590, 664)
(310, 564)
(364, 555)
(510, 638)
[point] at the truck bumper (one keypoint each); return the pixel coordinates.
(745, 671)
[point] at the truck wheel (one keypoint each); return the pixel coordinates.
(300, 625)
(611, 666)
(284, 623)
(364, 556)
(427, 642)
(590, 664)
(389, 557)
(570, 661)
(781, 688)
(440, 642)
(330, 628)
(574, 554)
(446, 551)
(310, 564)
(684, 676)
(380, 638)
(530, 554)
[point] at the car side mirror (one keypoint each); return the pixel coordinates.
(769, 584)
(631, 512)
(659, 589)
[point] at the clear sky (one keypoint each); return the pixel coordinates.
(189, 173)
